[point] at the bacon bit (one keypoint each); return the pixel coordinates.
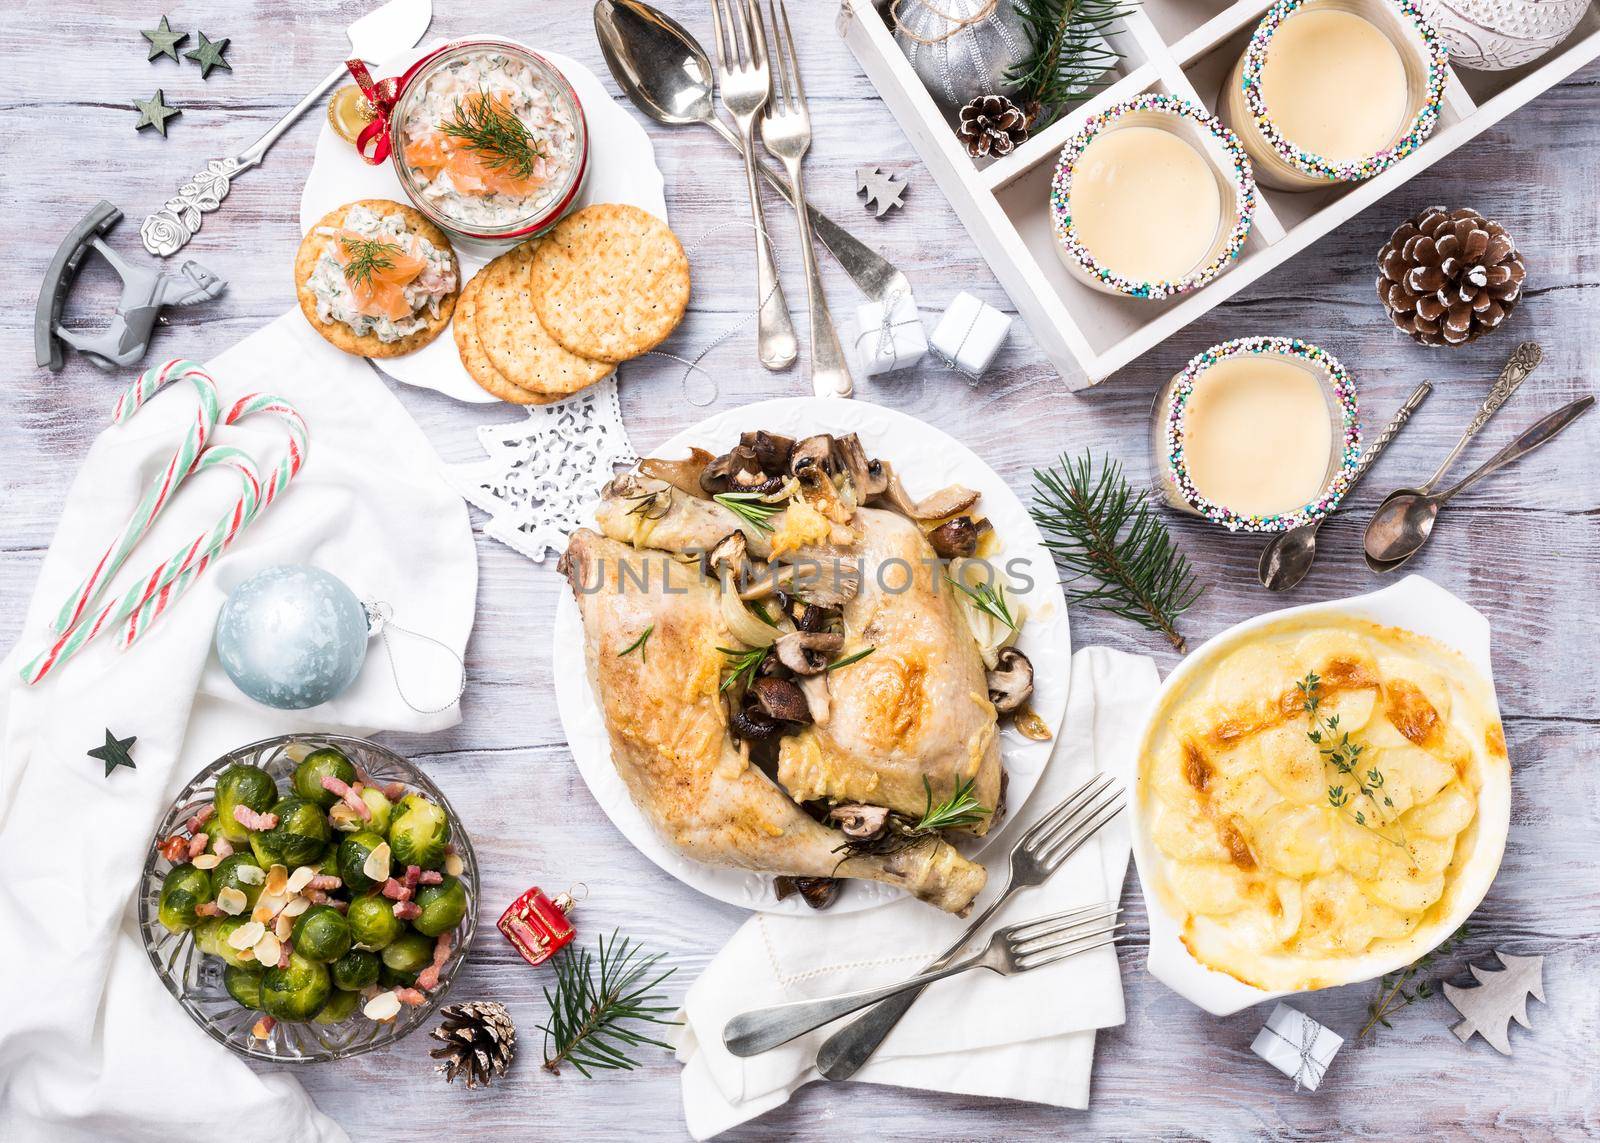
(363, 777)
(431, 877)
(284, 953)
(395, 891)
(175, 848)
(222, 847)
(315, 896)
(201, 816)
(413, 875)
(263, 1027)
(248, 818)
(208, 909)
(394, 791)
(407, 910)
(428, 978)
(350, 795)
(197, 845)
(410, 996)
(325, 881)
(338, 904)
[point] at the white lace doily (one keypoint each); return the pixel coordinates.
(544, 475)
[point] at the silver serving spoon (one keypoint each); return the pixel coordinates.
(1288, 555)
(665, 72)
(1405, 521)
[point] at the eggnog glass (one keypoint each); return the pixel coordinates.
(1151, 198)
(1259, 434)
(1332, 91)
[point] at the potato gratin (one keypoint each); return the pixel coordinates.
(1295, 863)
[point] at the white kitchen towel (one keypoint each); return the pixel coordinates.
(1029, 1037)
(91, 1045)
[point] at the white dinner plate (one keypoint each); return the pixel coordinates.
(622, 169)
(926, 460)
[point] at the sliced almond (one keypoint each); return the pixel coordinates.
(246, 935)
(268, 949)
(453, 865)
(376, 866)
(296, 906)
(245, 955)
(384, 1006)
(261, 913)
(283, 926)
(250, 874)
(277, 879)
(298, 752)
(343, 818)
(300, 878)
(206, 861)
(232, 901)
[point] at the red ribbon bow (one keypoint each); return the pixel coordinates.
(382, 95)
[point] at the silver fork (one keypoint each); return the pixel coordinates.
(786, 130)
(1017, 949)
(746, 84)
(1037, 854)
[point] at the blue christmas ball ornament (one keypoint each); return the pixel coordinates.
(292, 637)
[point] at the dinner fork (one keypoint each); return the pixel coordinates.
(746, 84)
(1037, 854)
(786, 130)
(1011, 951)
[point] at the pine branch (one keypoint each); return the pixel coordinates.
(596, 995)
(1102, 528)
(1068, 52)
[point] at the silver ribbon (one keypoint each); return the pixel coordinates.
(885, 331)
(1311, 1069)
(951, 359)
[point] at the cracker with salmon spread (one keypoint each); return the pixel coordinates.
(610, 282)
(476, 362)
(515, 340)
(376, 278)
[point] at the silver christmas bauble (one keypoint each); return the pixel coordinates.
(1497, 35)
(292, 637)
(957, 61)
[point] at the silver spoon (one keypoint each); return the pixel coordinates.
(1288, 555)
(665, 72)
(1405, 521)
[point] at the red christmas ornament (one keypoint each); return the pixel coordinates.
(536, 926)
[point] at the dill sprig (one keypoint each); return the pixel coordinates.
(742, 665)
(749, 507)
(638, 645)
(1345, 757)
(495, 135)
(1102, 528)
(959, 810)
(596, 996)
(365, 257)
(1393, 993)
(988, 600)
(1068, 55)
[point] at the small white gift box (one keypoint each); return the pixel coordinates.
(1297, 1046)
(890, 337)
(969, 335)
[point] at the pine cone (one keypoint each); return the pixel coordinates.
(992, 125)
(1447, 277)
(479, 1040)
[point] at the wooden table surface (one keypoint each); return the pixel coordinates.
(1524, 548)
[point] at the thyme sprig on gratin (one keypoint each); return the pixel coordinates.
(493, 132)
(364, 257)
(1344, 756)
(1393, 992)
(901, 832)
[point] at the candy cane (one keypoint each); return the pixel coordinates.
(177, 470)
(294, 459)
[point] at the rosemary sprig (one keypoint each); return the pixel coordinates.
(596, 996)
(1393, 993)
(495, 135)
(856, 657)
(1345, 756)
(960, 809)
(750, 508)
(1068, 53)
(987, 600)
(365, 257)
(742, 665)
(1102, 528)
(652, 505)
(638, 644)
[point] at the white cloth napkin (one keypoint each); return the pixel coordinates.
(91, 1045)
(1029, 1037)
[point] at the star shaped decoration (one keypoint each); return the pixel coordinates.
(209, 55)
(164, 41)
(154, 112)
(114, 753)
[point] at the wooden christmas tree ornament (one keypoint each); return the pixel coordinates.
(1500, 997)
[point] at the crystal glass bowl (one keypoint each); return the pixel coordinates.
(195, 979)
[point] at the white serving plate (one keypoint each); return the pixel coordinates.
(622, 169)
(926, 459)
(1416, 604)
(1185, 48)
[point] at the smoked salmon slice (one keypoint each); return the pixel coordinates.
(472, 172)
(382, 271)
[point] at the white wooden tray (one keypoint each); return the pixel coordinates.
(1186, 48)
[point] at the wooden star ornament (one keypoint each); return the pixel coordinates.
(115, 753)
(154, 112)
(164, 41)
(209, 55)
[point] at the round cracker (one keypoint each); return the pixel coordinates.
(337, 333)
(476, 362)
(610, 282)
(514, 339)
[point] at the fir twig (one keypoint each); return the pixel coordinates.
(1068, 54)
(365, 257)
(495, 135)
(1101, 528)
(1393, 993)
(596, 996)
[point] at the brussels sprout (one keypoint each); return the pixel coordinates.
(338, 1008)
(408, 955)
(373, 923)
(322, 933)
(181, 890)
(297, 992)
(317, 765)
(347, 820)
(244, 985)
(418, 832)
(241, 785)
(354, 970)
(227, 875)
(353, 853)
(443, 905)
(211, 937)
(299, 837)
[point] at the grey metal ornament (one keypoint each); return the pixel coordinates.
(960, 49)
